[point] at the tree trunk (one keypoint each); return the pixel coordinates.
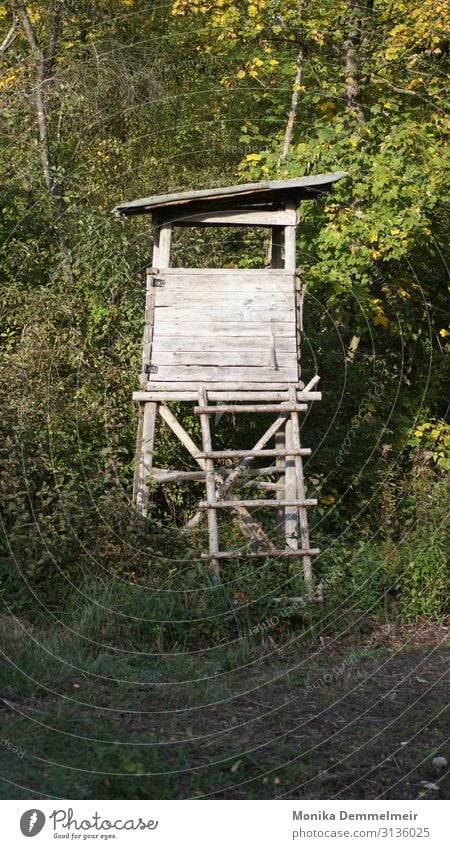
(295, 90)
(43, 63)
(352, 58)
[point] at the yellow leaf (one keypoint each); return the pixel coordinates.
(328, 499)
(253, 157)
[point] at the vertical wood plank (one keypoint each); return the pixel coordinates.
(213, 528)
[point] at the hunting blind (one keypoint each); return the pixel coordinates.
(228, 340)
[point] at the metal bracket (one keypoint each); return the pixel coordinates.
(150, 369)
(158, 282)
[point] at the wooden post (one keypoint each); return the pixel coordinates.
(280, 442)
(147, 424)
(213, 529)
(290, 529)
(290, 234)
(291, 514)
(301, 495)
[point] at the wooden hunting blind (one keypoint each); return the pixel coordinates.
(228, 339)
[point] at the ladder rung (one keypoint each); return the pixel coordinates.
(264, 452)
(283, 407)
(256, 502)
(277, 552)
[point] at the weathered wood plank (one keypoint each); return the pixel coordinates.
(214, 395)
(244, 273)
(231, 301)
(227, 358)
(241, 374)
(238, 217)
(242, 329)
(225, 386)
(223, 285)
(283, 344)
(187, 314)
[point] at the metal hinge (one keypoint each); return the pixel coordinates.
(150, 369)
(158, 282)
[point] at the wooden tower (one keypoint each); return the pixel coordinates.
(228, 340)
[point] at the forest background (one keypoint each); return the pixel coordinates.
(109, 101)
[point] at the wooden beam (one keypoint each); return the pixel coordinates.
(186, 392)
(256, 502)
(252, 408)
(236, 217)
(276, 553)
(251, 452)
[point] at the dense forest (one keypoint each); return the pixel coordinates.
(111, 100)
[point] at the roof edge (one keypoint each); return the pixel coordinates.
(314, 183)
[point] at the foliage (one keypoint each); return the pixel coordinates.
(141, 98)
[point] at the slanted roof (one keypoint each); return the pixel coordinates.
(269, 191)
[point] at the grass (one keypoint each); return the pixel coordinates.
(101, 709)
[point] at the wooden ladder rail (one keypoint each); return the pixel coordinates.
(210, 480)
(301, 494)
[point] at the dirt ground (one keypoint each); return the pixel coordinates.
(326, 720)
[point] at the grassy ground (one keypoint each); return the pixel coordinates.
(94, 716)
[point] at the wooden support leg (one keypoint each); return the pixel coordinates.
(213, 528)
(301, 495)
(146, 456)
(291, 515)
(280, 442)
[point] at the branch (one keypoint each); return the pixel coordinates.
(53, 39)
(8, 37)
(375, 79)
(28, 27)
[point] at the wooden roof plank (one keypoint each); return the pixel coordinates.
(296, 187)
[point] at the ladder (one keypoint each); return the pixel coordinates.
(290, 499)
